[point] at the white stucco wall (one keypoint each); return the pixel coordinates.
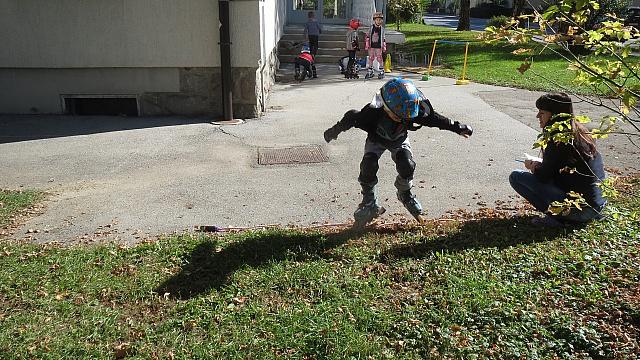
(273, 15)
(124, 33)
(245, 32)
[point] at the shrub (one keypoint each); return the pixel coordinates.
(499, 21)
(403, 10)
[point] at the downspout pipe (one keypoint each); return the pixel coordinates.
(225, 60)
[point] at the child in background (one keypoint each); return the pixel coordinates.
(307, 61)
(375, 43)
(312, 31)
(399, 107)
(352, 48)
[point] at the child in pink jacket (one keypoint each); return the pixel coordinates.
(375, 43)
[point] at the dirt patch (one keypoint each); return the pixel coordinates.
(17, 220)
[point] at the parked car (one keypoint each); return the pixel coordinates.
(488, 10)
(633, 17)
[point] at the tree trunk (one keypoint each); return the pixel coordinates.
(518, 6)
(465, 10)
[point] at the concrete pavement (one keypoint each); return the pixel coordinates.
(451, 21)
(130, 179)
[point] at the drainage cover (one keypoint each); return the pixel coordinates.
(292, 155)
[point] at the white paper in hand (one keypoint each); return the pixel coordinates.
(532, 158)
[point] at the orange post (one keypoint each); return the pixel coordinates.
(463, 81)
(433, 51)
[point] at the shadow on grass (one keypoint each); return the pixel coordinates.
(497, 233)
(209, 267)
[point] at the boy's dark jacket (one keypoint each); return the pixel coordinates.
(382, 129)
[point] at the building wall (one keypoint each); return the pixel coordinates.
(164, 51)
(273, 17)
(38, 90)
(122, 33)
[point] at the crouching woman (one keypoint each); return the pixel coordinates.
(575, 165)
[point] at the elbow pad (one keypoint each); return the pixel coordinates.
(348, 119)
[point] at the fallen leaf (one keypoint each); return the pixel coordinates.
(122, 350)
(524, 67)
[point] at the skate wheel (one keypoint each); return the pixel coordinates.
(421, 220)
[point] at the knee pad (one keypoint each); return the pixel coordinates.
(405, 164)
(369, 169)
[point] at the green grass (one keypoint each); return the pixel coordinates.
(486, 63)
(11, 202)
(490, 288)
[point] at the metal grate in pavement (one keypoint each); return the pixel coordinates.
(292, 155)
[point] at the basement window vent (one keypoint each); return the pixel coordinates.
(111, 105)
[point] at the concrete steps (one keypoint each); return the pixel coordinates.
(320, 59)
(337, 51)
(331, 45)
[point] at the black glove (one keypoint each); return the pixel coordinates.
(464, 130)
(331, 134)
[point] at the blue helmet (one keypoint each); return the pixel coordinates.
(305, 48)
(402, 98)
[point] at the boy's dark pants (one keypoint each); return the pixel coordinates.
(313, 44)
(309, 68)
(401, 154)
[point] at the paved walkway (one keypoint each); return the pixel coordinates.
(451, 21)
(129, 179)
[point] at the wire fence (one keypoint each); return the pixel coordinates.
(422, 59)
(415, 59)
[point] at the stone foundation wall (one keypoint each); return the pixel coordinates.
(201, 89)
(199, 94)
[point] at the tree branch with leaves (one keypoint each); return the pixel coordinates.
(599, 54)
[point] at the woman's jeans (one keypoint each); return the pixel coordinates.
(541, 195)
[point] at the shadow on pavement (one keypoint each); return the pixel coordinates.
(16, 128)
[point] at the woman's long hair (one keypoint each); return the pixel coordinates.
(560, 103)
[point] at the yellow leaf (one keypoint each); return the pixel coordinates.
(521, 51)
(624, 109)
